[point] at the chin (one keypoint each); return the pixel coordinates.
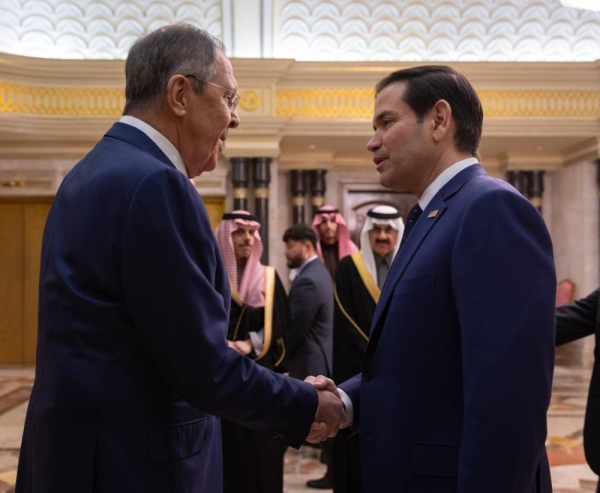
(383, 180)
(211, 164)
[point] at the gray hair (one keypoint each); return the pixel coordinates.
(169, 50)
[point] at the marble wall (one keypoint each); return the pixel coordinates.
(572, 214)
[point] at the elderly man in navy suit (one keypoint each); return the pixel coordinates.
(133, 367)
(457, 375)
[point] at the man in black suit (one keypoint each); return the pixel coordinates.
(574, 321)
(309, 341)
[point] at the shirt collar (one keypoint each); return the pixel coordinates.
(306, 262)
(387, 260)
(444, 177)
(159, 139)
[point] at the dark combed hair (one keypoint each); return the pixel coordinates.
(301, 232)
(155, 58)
(427, 84)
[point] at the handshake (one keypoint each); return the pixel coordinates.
(331, 413)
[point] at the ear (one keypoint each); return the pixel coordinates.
(442, 120)
(178, 89)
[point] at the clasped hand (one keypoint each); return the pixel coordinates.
(331, 413)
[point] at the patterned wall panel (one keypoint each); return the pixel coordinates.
(434, 30)
(94, 29)
(358, 103)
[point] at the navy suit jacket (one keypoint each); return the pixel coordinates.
(132, 361)
(309, 341)
(458, 371)
(574, 321)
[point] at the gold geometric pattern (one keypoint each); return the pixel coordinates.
(299, 103)
(325, 102)
(358, 103)
(541, 104)
(61, 101)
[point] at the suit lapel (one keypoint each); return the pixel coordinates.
(432, 214)
(403, 259)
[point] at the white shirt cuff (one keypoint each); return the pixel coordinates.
(349, 409)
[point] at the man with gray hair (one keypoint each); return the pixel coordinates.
(132, 366)
(358, 282)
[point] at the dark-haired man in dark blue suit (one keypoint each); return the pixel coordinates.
(457, 375)
(309, 340)
(132, 361)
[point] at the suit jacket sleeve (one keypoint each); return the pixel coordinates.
(352, 388)
(504, 289)
(578, 319)
(176, 293)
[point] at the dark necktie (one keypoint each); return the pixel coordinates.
(413, 215)
(382, 272)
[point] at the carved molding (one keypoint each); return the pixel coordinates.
(300, 103)
(60, 101)
(383, 30)
(586, 151)
(358, 103)
(435, 30)
(94, 29)
(60, 108)
(531, 162)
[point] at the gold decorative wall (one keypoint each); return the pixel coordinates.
(316, 102)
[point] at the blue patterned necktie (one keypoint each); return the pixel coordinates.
(412, 218)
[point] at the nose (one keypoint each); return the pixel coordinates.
(235, 119)
(374, 143)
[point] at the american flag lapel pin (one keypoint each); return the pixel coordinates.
(432, 214)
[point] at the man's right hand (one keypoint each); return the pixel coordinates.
(331, 413)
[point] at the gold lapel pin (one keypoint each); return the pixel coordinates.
(432, 214)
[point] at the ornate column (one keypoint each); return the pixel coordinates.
(512, 177)
(524, 183)
(262, 178)
(520, 180)
(239, 178)
(298, 177)
(317, 188)
(536, 189)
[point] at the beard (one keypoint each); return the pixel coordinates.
(294, 263)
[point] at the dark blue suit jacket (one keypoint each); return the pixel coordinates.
(132, 361)
(458, 371)
(309, 341)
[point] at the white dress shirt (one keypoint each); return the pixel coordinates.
(159, 139)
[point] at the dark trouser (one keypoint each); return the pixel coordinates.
(346, 457)
(328, 456)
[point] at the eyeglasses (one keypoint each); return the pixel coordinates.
(231, 97)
